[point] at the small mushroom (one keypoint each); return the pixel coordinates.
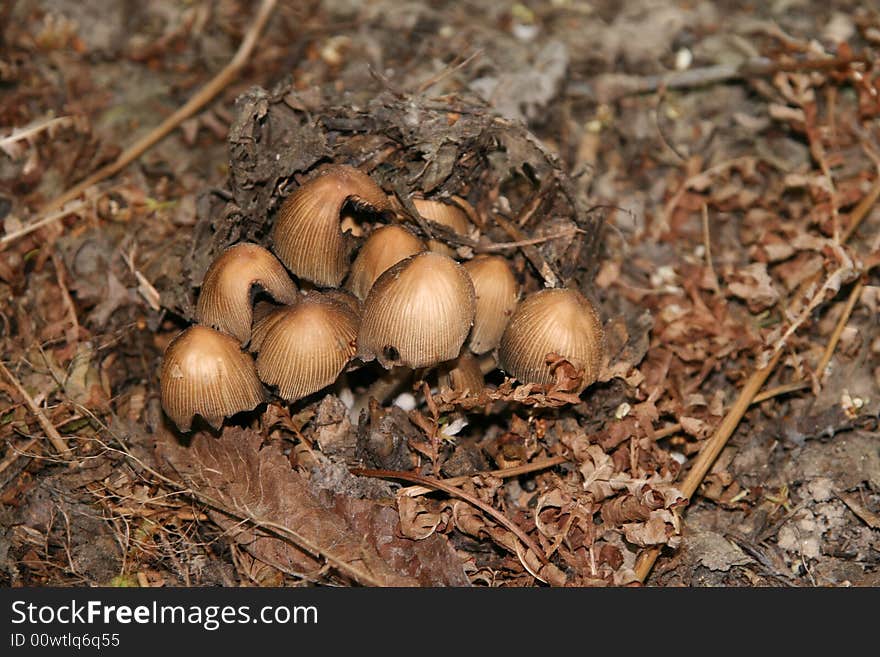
(496, 292)
(307, 234)
(554, 321)
(225, 298)
(418, 313)
(303, 348)
(445, 214)
(205, 372)
(385, 247)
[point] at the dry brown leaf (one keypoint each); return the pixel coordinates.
(417, 521)
(247, 481)
(430, 561)
(753, 284)
(658, 530)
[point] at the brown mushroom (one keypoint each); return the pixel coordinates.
(205, 372)
(225, 298)
(303, 348)
(385, 247)
(462, 375)
(496, 292)
(418, 313)
(554, 321)
(445, 214)
(307, 235)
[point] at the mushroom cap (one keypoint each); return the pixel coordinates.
(304, 347)
(385, 247)
(307, 235)
(560, 321)
(497, 292)
(205, 372)
(445, 214)
(418, 313)
(346, 298)
(225, 298)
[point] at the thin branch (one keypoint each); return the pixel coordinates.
(504, 246)
(16, 453)
(838, 329)
(55, 438)
(503, 473)
(447, 71)
(71, 208)
(861, 210)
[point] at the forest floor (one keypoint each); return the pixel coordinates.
(731, 152)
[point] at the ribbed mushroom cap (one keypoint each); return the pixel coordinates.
(205, 372)
(346, 298)
(462, 375)
(497, 291)
(306, 346)
(225, 298)
(560, 321)
(446, 214)
(385, 247)
(418, 313)
(307, 235)
(263, 325)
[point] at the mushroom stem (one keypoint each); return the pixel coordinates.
(488, 363)
(382, 389)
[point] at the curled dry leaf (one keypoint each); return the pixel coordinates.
(418, 519)
(753, 284)
(430, 561)
(662, 528)
(624, 509)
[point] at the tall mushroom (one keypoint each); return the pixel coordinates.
(418, 313)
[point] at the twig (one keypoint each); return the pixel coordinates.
(16, 453)
(707, 242)
(17, 134)
(838, 329)
(530, 252)
(193, 105)
(56, 439)
(61, 276)
(712, 449)
(447, 71)
(783, 389)
(861, 210)
(72, 208)
(868, 517)
(455, 492)
(607, 88)
(503, 246)
(503, 473)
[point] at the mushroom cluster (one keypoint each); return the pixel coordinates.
(398, 300)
